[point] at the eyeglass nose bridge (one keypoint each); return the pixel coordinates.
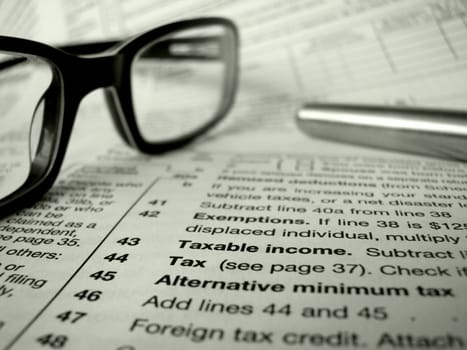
(97, 71)
(105, 71)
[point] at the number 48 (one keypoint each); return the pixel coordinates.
(53, 341)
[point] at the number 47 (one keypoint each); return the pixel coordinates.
(71, 316)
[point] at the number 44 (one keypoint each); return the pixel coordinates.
(273, 309)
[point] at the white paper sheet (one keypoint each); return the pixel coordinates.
(256, 236)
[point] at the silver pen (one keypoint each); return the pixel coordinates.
(438, 133)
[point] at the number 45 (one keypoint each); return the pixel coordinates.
(378, 313)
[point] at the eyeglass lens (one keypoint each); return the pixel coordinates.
(23, 85)
(178, 82)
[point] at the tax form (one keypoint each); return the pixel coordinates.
(256, 236)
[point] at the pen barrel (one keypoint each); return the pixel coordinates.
(439, 133)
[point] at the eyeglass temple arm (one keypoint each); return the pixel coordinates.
(201, 48)
(11, 62)
(205, 48)
(178, 49)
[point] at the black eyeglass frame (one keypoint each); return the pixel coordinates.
(76, 76)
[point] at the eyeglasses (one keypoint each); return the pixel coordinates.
(164, 88)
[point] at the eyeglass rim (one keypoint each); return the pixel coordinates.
(127, 126)
(60, 60)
